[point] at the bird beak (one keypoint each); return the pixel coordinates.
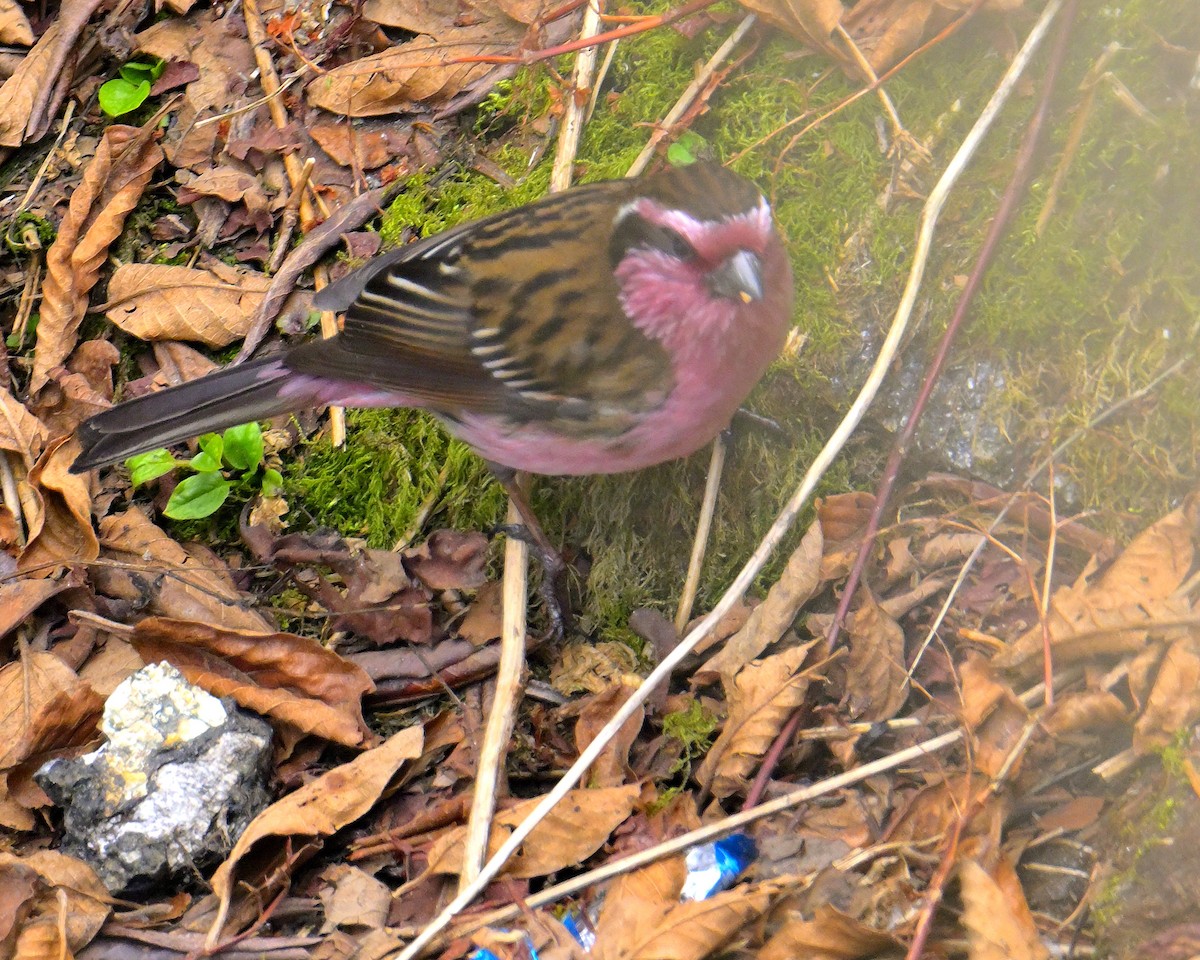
(738, 278)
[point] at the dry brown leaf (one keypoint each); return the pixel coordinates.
(485, 616)
(162, 302)
(571, 833)
(1085, 715)
(20, 598)
(142, 564)
(884, 31)
(20, 431)
(876, 678)
(43, 706)
(420, 73)
(1174, 700)
(761, 698)
(636, 905)
(55, 908)
(797, 584)
(353, 898)
(14, 25)
(325, 805)
(32, 94)
(1112, 614)
(829, 935)
(111, 187)
(289, 678)
(58, 510)
(680, 931)
(996, 917)
(611, 768)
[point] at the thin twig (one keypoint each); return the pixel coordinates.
(689, 95)
(291, 216)
(708, 507)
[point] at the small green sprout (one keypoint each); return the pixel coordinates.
(128, 90)
(229, 461)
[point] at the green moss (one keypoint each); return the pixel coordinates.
(397, 464)
(694, 729)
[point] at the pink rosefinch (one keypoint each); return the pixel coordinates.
(608, 328)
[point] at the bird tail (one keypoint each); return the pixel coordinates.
(239, 394)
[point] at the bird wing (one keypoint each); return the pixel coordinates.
(517, 313)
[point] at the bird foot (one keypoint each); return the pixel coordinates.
(553, 588)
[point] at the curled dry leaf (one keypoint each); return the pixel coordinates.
(43, 706)
(642, 917)
(421, 73)
(14, 26)
(1113, 614)
(143, 565)
(324, 806)
(288, 678)
(51, 905)
(572, 832)
(32, 94)
(58, 510)
(768, 621)
(20, 598)
(1174, 701)
(163, 302)
(829, 935)
(611, 768)
(876, 678)
(111, 187)
(761, 698)
(996, 917)
(20, 431)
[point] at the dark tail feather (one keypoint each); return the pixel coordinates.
(223, 399)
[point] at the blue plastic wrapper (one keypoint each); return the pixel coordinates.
(483, 953)
(713, 867)
(585, 933)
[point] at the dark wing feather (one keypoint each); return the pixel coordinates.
(515, 314)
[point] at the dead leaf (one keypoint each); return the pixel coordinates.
(43, 706)
(162, 302)
(353, 898)
(58, 509)
(325, 805)
(289, 678)
(14, 29)
(111, 187)
(636, 905)
(996, 917)
(876, 677)
(571, 833)
(450, 560)
(761, 698)
(611, 768)
(485, 615)
(32, 94)
(1174, 700)
(20, 598)
(143, 565)
(1112, 615)
(54, 908)
(829, 935)
(20, 431)
(768, 621)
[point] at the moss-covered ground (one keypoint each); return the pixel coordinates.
(1079, 313)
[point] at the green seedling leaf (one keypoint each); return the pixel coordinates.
(687, 149)
(211, 450)
(197, 497)
(244, 446)
(137, 71)
(272, 483)
(118, 96)
(144, 467)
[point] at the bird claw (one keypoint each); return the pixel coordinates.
(553, 586)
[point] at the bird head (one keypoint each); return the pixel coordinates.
(698, 259)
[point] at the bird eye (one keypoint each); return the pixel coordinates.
(671, 242)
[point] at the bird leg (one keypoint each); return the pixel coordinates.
(553, 590)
